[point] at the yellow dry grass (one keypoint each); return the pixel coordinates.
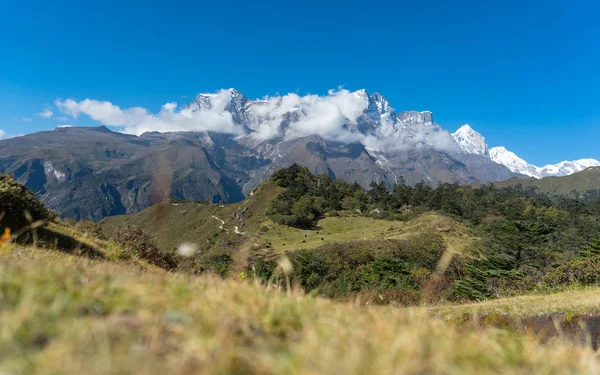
(66, 314)
(576, 301)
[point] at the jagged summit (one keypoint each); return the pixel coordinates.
(423, 117)
(471, 141)
(378, 106)
(369, 119)
(339, 116)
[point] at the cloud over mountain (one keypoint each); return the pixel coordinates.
(138, 120)
(340, 115)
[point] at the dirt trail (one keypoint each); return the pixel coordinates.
(236, 229)
(222, 223)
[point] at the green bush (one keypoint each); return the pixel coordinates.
(584, 271)
(90, 228)
(385, 272)
(310, 268)
(592, 249)
(216, 263)
(396, 269)
(263, 267)
(484, 277)
(139, 243)
(16, 201)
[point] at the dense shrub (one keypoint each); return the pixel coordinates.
(385, 272)
(138, 242)
(219, 264)
(310, 267)
(262, 267)
(481, 276)
(16, 201)
(397, 270)
(592, 249)
(91, 228)
(585, 270)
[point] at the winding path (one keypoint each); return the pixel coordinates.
(236, 229)
(222, 223)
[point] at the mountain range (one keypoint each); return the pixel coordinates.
(474, 143)
(222, 145)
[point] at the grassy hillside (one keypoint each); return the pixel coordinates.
(67, 314)
(340, 229)
(211, 226)
(577, 301)
(579, 183)
(450, 242)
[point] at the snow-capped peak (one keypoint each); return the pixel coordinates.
(381, 102)
(356, 116)
(423, 117)
(362, 93)
(517, 165)
(565, 168)
(471, 141)
(514, 163)
(378, 105)
(235, 93)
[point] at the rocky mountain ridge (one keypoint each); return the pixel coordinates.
(96, 172)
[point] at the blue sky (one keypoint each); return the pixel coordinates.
(523, 73)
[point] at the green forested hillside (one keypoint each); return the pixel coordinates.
(406, 246)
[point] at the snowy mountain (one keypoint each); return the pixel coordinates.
(565, 168)
(502, 156)
(341, 116)
(473, 142)
(222, 145)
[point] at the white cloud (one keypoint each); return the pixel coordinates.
(64, 126)
(333, 116)
(26, 119)
(2, 134)
(137, 120)
(62, 118)
(47, 113)
(330, 116)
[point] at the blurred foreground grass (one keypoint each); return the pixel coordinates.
(66, 314)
